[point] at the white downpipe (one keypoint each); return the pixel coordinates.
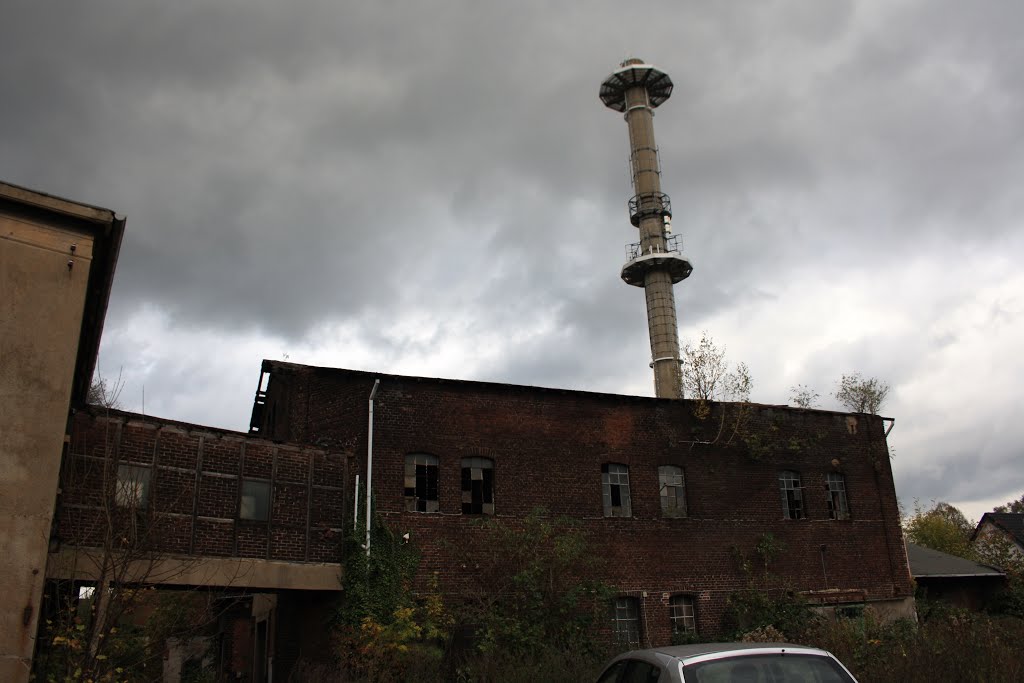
(369, 467)
(355, 507)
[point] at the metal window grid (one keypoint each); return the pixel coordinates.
(792, 493)
(835, 488)
(672, 491)
(615, 490)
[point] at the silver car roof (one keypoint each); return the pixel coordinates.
(702, 651)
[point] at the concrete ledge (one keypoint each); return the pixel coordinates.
(227, 572)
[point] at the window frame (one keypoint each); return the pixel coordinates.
(486, 489)
(665, 473)
(626, 612)
(837, 494)
(791, 490)
(131, 490)
(424, 483)
(615, 486)
(255, 486)
(682, 623)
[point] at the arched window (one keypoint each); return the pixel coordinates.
(673, 491)
(615, 490)
(477, 486)
(792, 492)
(421, 482)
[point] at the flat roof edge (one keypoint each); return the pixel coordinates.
(51, 202)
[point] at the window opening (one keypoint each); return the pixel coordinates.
(835, 491)
(132, 490)
(255, 502)
(681, 612)
(421, 483)
(673, 492)
(626, 621)
(615, 490)
(477, 486)
(792, 495)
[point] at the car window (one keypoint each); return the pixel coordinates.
(611, 674)
(768, 669)
(641, 672)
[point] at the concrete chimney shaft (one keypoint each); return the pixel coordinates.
(656, 265)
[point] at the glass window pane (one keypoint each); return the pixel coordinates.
(255, 503)
(132, 488)
(477, 486)
(421, 483)
(615, 490)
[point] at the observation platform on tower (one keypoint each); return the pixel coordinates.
(670, 260)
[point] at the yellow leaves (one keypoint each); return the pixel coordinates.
(59, 640)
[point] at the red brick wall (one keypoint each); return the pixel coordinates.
(548, 447)
(195, 488)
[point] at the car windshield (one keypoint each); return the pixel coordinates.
(767, 668)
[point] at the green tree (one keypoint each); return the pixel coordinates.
(1012, 506)
(941, 527)
(860, 394)
(706, 373)
(532, 589)
(803, 396)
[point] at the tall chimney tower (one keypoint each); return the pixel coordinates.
(655, 262)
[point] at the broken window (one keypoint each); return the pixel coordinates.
(792, 495)
(477, 486)
(835, 492)
(680, 611)
(673, 493)
(421, 483)
(615, 490)
(255, 502)
(132, 490)
(626, 622)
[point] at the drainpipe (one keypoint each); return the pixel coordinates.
(369, 466)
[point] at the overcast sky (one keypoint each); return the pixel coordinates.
(434, 188)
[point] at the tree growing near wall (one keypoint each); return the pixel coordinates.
(532, 588)
(707, 375)
(716, 388)
(803, 396)
(88, 632)
(941, 527)
(104, 392)
(383, 630)
(860, 394)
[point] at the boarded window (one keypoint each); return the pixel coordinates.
(792, 492)
(255, 502)
(681, 612)
(615, 490)
(626, 622)
(477, 486)
(421, 483)
(132, 489)
(673, 492)
(835, 492)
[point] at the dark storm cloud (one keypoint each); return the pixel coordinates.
(441, 178)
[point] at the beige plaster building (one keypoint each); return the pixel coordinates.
(57, 261)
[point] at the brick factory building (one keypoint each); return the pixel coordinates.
(664, 497)
(668, 499)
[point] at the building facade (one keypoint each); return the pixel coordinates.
(676, 502)
(57, 261)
